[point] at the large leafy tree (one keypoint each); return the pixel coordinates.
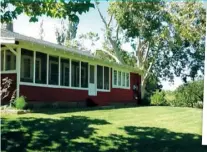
(36, 8)
(160, 36)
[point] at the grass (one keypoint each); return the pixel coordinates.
(141, 129)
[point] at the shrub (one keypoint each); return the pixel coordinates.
(158, 98)
(20, 102)
(188, 95)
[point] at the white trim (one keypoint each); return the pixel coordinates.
(47, 78)
(8, 72)
(59, 74)
(80, 74)
(51, 86)
(7, 40)
(34, 66)
(18, 69)
(70, 73)
(11, 49)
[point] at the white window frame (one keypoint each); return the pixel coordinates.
(121, 78)
(22, 66)
(104, 90)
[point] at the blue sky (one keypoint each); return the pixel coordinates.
(89, 21)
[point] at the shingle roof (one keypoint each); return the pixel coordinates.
(9, 34)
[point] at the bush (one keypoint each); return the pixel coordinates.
(158, 99)
(190, 94)
(20, 102)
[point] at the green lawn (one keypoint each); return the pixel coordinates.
(142, 129)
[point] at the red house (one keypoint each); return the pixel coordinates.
(45, 72)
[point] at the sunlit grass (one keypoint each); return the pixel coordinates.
(124, 129)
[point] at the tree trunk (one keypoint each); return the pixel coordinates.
(143, 86)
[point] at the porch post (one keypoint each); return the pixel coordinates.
(18, 66)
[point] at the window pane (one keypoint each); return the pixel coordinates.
(84, 74)
(65, 70)
(92, 79)
(127, 79)
(27, 65)
(2, 60)
(123, 79)
(75, 74)
(115, 77)
(106, 78)
(10, 60)
(99, 77)
(53, 70)
(41, 68)
(119, 78)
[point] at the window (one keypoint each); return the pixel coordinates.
(103, 77)
(99, 77)
(53, 70)
(65, 72)
(119, 78)
(127, 79)
(2, 60)
(27, 65)
(84, 75)
(115, 77)
(41, 68)
(106, 78)
(75, 73)
(10, 60)
(122, 78)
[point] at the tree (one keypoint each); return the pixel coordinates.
(52, 8)
(66, 33)
(41, 30)
(154, 30)
(140, 22)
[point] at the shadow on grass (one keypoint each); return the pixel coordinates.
(48, 134)
(151, 139)
(62, 135)
(52, 111)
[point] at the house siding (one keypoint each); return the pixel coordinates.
(48, 95)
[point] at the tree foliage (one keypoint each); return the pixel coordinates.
(168, 38)
(189, 94)
(36, 8)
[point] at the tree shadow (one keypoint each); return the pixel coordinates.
(150, 139)
(52, 111)
(48, 134)
(79, 133)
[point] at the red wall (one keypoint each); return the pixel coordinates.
(12, 88)
(45, 94)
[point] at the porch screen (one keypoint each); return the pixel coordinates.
(65, 71)
(27, 65)
(53, 70)
(41, 68)
(75, 73)
(106, 78)
(84, 74)
(99, 77)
